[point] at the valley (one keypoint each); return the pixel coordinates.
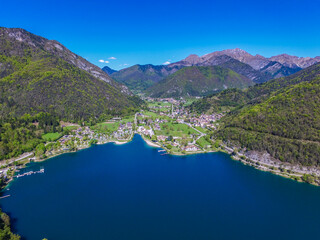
(139, 120)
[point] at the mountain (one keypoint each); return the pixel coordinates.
(256, 62)
(40, 75)
(256, 67)
(226, 61)
(293, 61)
(108, 70)
(277, 70)
(280, 117)
(140, 77)
(198, 81)
(237, 66)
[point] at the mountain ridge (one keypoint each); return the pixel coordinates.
(198, 81)
(40, 75)
(256, 67)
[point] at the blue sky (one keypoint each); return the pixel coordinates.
(160, 31)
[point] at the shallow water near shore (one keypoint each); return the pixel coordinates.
(131, 191)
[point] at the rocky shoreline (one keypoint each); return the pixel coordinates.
(265, 162)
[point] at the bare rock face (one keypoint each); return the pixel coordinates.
(57, 49)
(294, 61)
(256, 62)
(258, 68)
(193, 59)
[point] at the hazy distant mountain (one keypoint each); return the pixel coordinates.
(198, 81)
(293, 61)
(140, 77)
(237, 66)
(108, 70)
(263, 69)
(277, 70)
(255, 67)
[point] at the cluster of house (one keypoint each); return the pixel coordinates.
(190, 148)
(143, 130)
(162, 138)
(124, 131)
(79, 133)
(206, 120)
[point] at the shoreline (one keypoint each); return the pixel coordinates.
(259, 164)
(151, 144)
(264, 162)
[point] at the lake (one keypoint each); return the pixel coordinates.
(131, 191)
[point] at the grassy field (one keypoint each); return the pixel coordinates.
(159, 104)
(106, 127)
(203, 142)
(189, 101)
(201, 129)
(127, 119)
(51, 136)
(151, 114)
(176, 129)
(71, 127)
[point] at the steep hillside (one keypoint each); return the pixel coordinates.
(108, 70)
(281, 117)
(16, 41)
(237, 66)
(38, 75)
(140, 77)
(235, 98)
(286, 125)
(277, 70)
(256, 67)
(198, 81)
(294, 61)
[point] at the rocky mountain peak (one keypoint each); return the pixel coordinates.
(193, 59)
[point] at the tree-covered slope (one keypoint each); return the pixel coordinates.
(281, 117)
(55, 86)
(286, 125)
(235, 98)
(198, 81)
(35, 78)
(108, 70)
(139, 77)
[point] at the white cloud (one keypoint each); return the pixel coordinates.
(112, 58)
(103, 61)
(166, 63)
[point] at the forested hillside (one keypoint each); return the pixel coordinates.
(42, 83)
(36, 78)
(198, 81)
(281, 117)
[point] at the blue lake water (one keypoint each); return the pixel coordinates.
(132, 192)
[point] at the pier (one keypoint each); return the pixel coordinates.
(29, 173)
(5, 196)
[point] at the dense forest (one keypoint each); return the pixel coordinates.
(281, 117)
(198, 81)
(19, 135)
(40, 85)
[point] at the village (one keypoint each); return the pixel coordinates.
(166, 124)
(169, 125)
